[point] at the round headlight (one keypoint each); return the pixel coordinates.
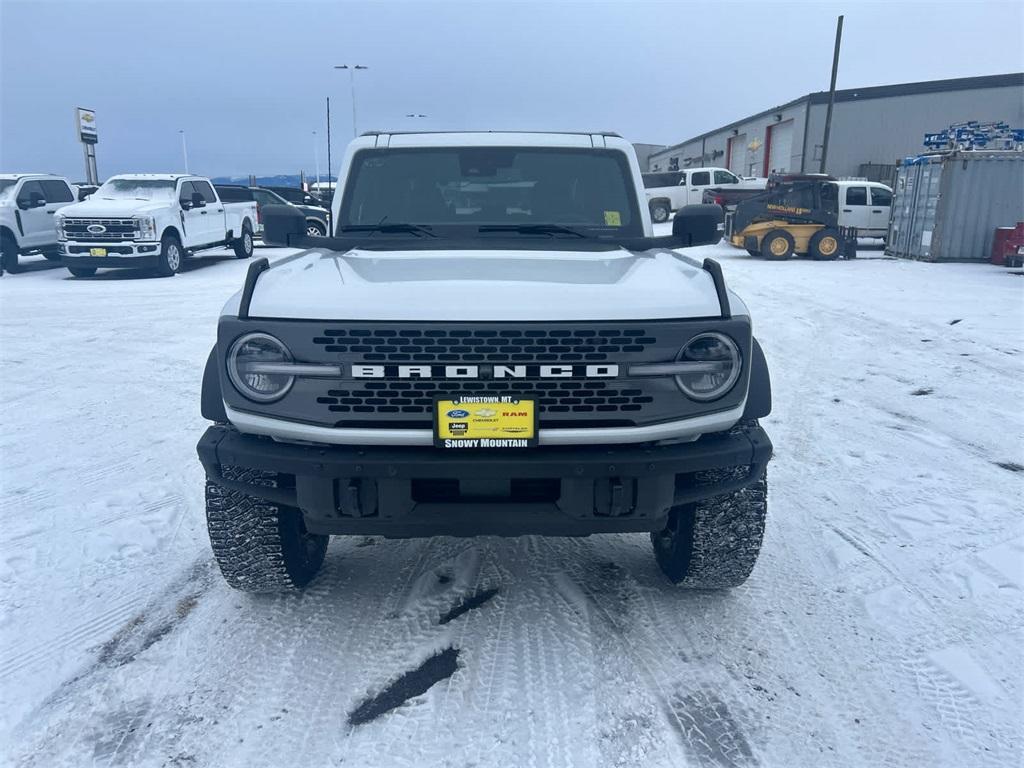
(252, 360)
(715, 366)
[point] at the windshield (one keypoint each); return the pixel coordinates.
(6, 185)
(136, 189)
(468, 189)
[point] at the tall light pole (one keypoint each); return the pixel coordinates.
(316, 154)
(352, 86)
(184, 149)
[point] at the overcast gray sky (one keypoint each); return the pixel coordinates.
(247, 80)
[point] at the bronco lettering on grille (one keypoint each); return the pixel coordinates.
(484, 371)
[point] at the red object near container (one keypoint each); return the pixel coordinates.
(1006, 245)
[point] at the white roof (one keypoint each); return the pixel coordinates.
(24, 175)
(154, 176)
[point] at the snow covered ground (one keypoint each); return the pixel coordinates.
(883, 624)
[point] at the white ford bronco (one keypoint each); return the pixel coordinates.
(491, 341)
(152, 221)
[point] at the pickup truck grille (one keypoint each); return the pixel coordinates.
(113, 229)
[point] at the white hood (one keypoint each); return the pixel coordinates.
(113, 209)
(483, 286)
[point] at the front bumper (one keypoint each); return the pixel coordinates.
(559, 491)
(130, 254)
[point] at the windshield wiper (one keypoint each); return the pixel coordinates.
(413, 229)
(532, 229)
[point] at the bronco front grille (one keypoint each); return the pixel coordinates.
(412, 345)
(391, 399)
(417, 397)
(113, 229)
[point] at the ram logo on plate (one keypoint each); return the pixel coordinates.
(457, 414)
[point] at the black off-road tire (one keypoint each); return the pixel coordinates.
(825, 245)
(171, 256)
(713, 544)
(8, 254)
(82, 271)
(777, 245)
(243, 246)
(260, 546)
(660, 212)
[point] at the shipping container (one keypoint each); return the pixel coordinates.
(947, 206)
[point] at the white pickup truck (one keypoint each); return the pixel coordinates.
(490, 341)
(671, 190)
(151, 221)
(28, 203)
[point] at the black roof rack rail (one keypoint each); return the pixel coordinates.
(491, 130)
(255, 269)
(715, 270)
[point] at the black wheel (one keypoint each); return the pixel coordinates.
(8, 254)
(660, 212)
(243, 245)
(315, 229)
(260, 546)
(170, 257)
(713, 544)
(82, 271)
(777, 245)
(826, 245)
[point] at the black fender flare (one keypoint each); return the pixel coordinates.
(211, 401)
(759, 392)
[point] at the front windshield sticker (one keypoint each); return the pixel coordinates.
(612, 219)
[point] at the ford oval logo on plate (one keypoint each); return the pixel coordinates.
(96, 228)
(457, 413)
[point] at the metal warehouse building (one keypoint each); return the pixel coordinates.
(872, 128)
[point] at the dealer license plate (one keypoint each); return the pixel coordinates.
(485, 422)
(97, 251)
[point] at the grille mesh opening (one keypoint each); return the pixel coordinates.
(389, 345)
(417, 397)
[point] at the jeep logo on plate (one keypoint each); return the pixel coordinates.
(96, 229)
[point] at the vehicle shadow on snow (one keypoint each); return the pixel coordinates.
(187, 266)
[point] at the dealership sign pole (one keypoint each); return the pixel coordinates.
(86, 120)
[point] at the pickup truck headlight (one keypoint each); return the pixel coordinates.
(715, 366)
(146, 227)
(254, 362)
(58, 221)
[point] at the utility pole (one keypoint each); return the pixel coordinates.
(831, 95)
(352, 87)
(316, 154)
(184, 149)
(329, 166)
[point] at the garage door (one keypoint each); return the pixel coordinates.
(738, 154)
(781, 151)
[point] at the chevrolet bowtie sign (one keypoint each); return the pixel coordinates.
(86, 125)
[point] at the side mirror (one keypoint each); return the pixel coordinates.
(198, 201)
(697, 225)
(284, 225)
